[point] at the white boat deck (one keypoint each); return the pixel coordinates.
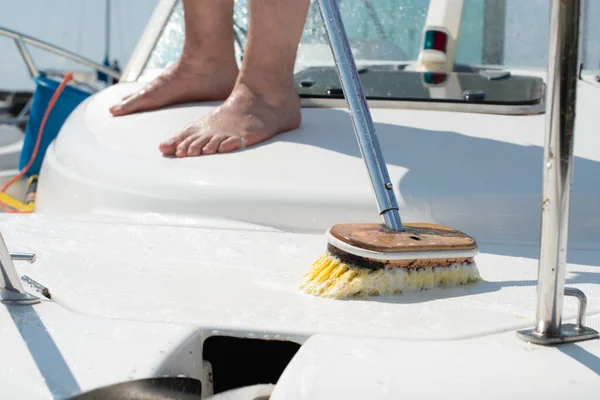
(52, 353)
(247, 282)
(493, 367)
(475, 172)
(111, 282)
(217, 246)
(149, 258)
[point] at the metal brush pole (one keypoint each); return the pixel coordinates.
(558, 170)
(360, 115)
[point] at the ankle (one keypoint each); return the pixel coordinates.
(274, 89)
(200, 60)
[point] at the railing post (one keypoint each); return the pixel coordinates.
(11, 290)
(558, 170)
(33, 71)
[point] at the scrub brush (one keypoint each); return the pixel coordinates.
(382, 259)
(371, 260)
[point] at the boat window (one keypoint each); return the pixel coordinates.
(500, 55)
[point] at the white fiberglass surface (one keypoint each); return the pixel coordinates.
(481, 174)
(498, 366)
(52, 353)
(246, 282)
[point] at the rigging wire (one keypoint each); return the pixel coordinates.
(80, 30)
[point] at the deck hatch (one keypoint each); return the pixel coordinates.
(390, 82)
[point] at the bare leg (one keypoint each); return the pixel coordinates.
(264, 100)
(206, 70)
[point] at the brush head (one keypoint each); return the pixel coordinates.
(374, 246)
(370, 259)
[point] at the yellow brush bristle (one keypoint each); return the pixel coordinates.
(330, 277)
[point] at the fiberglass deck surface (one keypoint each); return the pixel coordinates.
(477, 173)
(246, 281)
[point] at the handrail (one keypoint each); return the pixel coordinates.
(21, 39)
(558, 171)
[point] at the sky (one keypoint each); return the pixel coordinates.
(76, 25)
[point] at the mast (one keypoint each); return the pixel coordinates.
(101, 76)
(107, 34)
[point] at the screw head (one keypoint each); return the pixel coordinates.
(389, 186)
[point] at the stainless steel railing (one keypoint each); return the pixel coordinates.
(21, 40)
(558, 170)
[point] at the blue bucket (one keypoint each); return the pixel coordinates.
(70, 98)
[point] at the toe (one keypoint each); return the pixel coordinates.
(231, 144)
(197, 145)
(141, 101)
(128, 105)
(115, 109)
(213, 144)
(170, 147)
(183, 147)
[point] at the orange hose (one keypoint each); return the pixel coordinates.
(68, 77)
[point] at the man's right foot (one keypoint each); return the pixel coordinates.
(185, 81)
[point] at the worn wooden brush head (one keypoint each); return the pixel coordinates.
(369, 259)
(374, 246)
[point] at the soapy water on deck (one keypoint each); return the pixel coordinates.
(91, 269)
(332, 278)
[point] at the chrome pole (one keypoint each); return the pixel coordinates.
(360, 115)
(558, 171)
(558, 161)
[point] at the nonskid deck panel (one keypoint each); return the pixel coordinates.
(247, 281)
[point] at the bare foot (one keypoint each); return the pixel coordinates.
(185, 81)
(245, 119)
